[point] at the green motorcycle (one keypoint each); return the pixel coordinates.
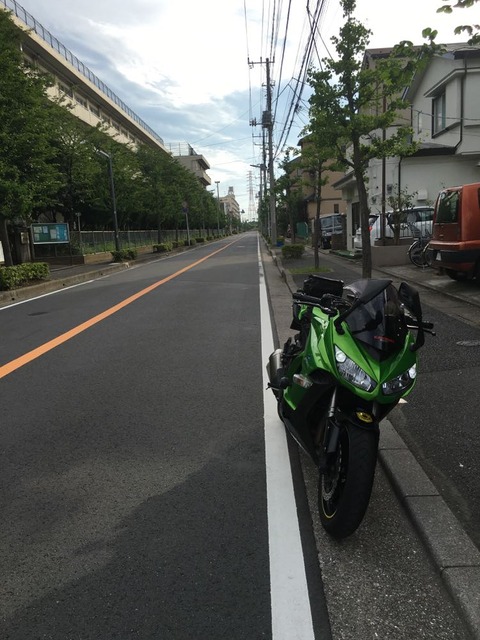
(352, 360)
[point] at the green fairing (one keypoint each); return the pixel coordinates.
(319, 354)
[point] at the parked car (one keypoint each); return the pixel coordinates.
(373, 227)
(416, 221)
(455, 244)
(422, 218)
(330, 225)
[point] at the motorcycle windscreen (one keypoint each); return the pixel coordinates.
(380, 323)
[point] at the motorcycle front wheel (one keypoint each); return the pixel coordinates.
(345, 487)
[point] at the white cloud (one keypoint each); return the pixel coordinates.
(182, 66)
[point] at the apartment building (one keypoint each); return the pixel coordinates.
(88, 97)
(193, 161)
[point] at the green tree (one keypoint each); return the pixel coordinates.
(77, 166)
(318, 153)
(360, 103)
(288, 188)
(472, 30)
(28, 176)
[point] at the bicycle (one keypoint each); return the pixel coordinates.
(418, 252)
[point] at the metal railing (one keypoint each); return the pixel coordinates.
(33, 24)
(92, 242)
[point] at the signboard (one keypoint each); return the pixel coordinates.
(50, 233)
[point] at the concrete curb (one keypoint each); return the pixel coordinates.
(24, 293)
(452, 552)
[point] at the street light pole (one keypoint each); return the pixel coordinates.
(217, 182)
(112, 191)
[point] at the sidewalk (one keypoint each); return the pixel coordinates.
(452, 553)
(67, 275)
(426, 278)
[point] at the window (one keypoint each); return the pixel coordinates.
(336, 208)
(419, 122)
(447, 210)
(65, 89)
(439, 114)
(81, 100)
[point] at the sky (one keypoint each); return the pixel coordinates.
(195, 72)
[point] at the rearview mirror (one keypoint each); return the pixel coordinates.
(410, 298)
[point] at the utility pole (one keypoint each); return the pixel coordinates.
(112, 193)
(267, 125)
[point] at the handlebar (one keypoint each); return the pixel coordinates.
(303, 298)
(412, 323)
(313, 301)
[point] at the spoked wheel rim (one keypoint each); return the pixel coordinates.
(333, 480)
(416, 256)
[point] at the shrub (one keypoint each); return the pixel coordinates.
(23, 274)
(192, 242)
(293, 251)
(162, 247)
(175, 244)
(124, 254)
(200, 239)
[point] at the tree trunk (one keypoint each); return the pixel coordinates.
(5, 242)
(364, 211)
(317, 233)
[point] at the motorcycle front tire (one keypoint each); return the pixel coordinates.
(344, 489)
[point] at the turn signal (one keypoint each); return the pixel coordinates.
(364, 417)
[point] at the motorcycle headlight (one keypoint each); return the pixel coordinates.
(400, 383)
(350, 371)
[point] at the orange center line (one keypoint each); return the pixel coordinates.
(13, 365)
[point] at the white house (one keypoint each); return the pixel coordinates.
(445, 118)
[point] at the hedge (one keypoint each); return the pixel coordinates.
(293, 250)
(23, 274)
(162, 247)
(124, 254)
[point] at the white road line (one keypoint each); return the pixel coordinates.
(291, 613)
(45, 295)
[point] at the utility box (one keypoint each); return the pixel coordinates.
(302, 230)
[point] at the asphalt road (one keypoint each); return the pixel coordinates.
(133, 475)
(135, 492)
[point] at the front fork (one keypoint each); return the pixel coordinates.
(333, 427)
(331, 434)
